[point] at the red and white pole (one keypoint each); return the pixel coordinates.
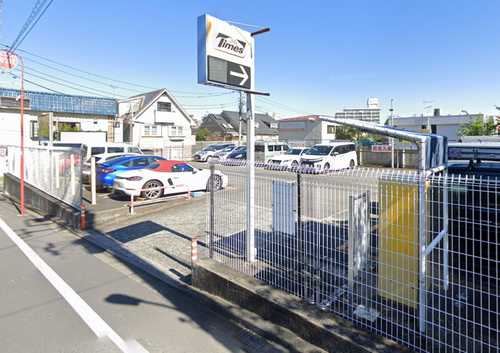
(21, 197)
(194, 250)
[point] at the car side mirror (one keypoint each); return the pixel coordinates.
(195, 171)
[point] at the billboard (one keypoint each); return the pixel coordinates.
(225, 54)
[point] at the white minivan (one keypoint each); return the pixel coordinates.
(332, 156)
(108, 148)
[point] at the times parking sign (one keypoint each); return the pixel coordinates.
(225, 54)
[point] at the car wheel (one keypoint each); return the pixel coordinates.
(217, 183)
(327, 167)
(152, 194)
(351, 163)
(295, 164)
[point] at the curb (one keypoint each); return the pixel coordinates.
(237, 315)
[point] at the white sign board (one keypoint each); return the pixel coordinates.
(225, 54)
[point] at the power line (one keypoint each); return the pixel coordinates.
(36, 84)
(31, 70)
(37, 12)
(93, 92)
(80, 76)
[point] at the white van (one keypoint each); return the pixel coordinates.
(92, 150)
(264, 150)
(332, 156)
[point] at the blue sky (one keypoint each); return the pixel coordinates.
(320, 56)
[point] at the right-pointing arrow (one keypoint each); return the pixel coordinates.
(243, 75)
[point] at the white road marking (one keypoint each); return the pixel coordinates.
(87, 314)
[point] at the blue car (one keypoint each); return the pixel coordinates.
(106, 172)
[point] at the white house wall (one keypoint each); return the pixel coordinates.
(10, 126)
(151, 117)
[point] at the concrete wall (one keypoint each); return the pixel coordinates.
(42, 202)
(403, 159)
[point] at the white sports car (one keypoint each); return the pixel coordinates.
(166, 178)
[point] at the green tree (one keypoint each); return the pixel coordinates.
(202, 134)
(478, 127)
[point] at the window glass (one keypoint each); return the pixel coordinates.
(338, 149)
(259, 148)
(278, 148)
(141, 162)
(164, 106)
(134, 150)
(285, 147)
(115, 149)
(34, 130)
(330, 129)
(270, 148)
(97, 150)
(320, 150)
(178, 168)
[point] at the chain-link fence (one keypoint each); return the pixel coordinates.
(412, 258)
(56, 171)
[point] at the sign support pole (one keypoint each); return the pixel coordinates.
(250, 238)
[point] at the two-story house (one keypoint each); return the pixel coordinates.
(155, 121)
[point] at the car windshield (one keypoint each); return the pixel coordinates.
(211, 148)
(227, 149)
(117, 160)
(319, 150)
(294, 151)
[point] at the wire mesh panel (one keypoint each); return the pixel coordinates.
(56, 171)
(409, 257)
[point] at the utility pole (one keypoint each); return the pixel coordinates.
(392, 138)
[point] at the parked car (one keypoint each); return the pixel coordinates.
(290, 159)
(89, 150)
(106, 172)
(239, 153)
(473, 207)
(333, 156)
(264, 150)
(165, 178)
(102, 158)
(224, 153)
(209, 151)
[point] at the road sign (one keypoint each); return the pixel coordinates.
(225, 54)
(8, 61)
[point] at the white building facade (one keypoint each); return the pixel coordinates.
(306, 130)
(156, 122)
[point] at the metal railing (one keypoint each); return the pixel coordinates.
(412, 257)
(56, 171)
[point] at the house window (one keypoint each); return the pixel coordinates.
(69, 126)
(330, 129)
(176, 131)
(151, 130)
(164, 106)
(34, 130)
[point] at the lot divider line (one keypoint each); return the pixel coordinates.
(100, 328)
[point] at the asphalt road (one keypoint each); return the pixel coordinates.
(34, 317)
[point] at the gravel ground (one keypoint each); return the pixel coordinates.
(165, 238)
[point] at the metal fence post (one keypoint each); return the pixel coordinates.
(92, 180)
(212, 212)
(57, 163)
(72, 174)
